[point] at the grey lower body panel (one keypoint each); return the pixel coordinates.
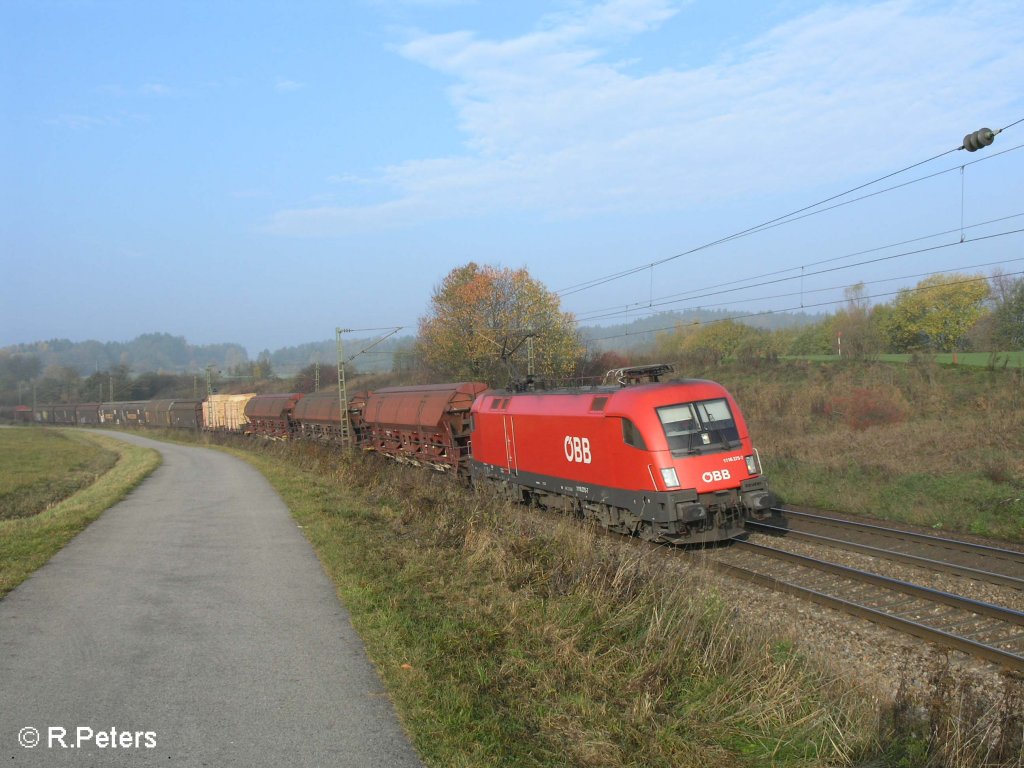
(682, 516)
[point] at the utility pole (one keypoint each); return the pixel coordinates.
(342, 393)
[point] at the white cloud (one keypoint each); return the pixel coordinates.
(284, 85)
(552, 121)
(82, 122)
(155, 89)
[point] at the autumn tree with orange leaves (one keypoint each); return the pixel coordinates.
(483, 321)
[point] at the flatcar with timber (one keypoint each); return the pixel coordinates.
(669, 462)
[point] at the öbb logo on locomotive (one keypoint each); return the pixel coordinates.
(577, 449)
(716, 476)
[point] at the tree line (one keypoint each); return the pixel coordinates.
(942, 313)
(501, 325)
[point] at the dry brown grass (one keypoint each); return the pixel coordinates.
(920, 443)
(959, 721)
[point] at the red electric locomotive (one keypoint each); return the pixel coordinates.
(670, 462)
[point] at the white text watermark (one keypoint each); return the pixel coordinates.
(83, 737)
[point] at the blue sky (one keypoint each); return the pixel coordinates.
(263, 172)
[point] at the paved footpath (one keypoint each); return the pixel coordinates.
(195, 618)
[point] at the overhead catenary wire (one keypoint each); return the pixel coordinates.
(747, 281)
(775, 281)
(734, 318)
(827, 289)
(794, 218)
(779, 220)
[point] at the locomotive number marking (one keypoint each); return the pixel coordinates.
(577, 449)
(718, 474)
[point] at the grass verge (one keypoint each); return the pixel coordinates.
(510, 637)
(26, 543)
(38, 468)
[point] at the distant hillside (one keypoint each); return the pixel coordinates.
(640, 332)
(378, 357)
(158, 352)
(164, 353)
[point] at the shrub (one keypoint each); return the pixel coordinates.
(864, 408)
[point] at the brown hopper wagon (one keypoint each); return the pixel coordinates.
(421, 425)
(271, 415)
(318, 417)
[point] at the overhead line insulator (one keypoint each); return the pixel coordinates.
(980, 138)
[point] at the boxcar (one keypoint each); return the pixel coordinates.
(185, 414)
(87, 413)
(157, 413)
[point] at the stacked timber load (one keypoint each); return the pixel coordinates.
(226, 412)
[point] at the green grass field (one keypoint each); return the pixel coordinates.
(973, 359)
(52, 485)
(38, 468)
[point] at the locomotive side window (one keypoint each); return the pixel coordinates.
(631, 435)
(697, 427)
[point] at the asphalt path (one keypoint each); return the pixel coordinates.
(194, 620)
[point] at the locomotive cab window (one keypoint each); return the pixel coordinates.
(700, 427)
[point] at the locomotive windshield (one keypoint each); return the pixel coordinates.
(700, 427)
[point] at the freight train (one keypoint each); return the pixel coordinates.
(666, 461)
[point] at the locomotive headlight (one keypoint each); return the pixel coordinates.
(670, 477)
(753, 465)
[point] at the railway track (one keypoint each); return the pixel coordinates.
(1002, 567)
(984, 630)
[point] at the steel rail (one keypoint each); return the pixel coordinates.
(934, 595)
(888, 554)
(938, 541)
(972, 647)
